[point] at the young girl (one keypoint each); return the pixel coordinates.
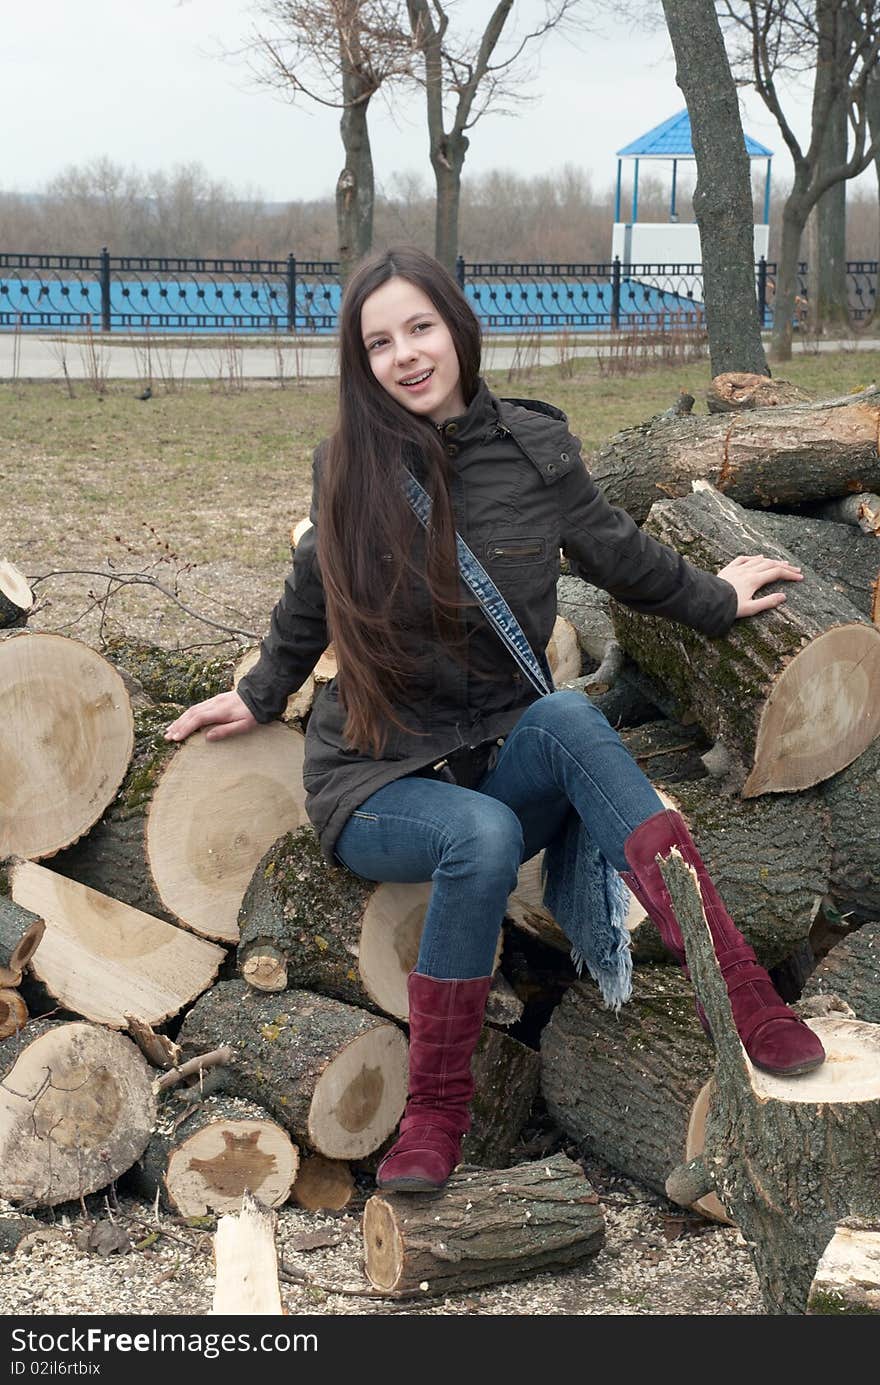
(430, 756)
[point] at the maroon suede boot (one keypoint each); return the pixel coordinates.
(445, 1020)
(773, 1036)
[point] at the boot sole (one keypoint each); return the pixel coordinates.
(409, 1185)
(791, 1072)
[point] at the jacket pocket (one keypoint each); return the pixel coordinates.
(515, 551)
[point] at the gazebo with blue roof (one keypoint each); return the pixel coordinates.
(672, 141)
(673, 244)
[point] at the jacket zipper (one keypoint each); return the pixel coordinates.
(531, 550)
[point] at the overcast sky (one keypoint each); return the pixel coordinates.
(147, 86)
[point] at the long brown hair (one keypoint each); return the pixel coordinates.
(367, 533)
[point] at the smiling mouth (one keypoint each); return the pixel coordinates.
(417, 379)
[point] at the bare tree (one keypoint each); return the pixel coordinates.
(338, 53)
(723, 195)
(461, 78)
(840, 41)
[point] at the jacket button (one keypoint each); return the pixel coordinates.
(563, 456)
(551, 467)
(451, 428)
(452, 450)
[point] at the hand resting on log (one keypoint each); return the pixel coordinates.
(226, 715)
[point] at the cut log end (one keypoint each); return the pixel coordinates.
(76, 1111)
(211, 1171)
(265, 968)
(822, 712)
(16, 597)
(216, 811)
(383, 1246)
(13, 1013)
(68, 735)
(850, 1074)
(360, 1095)
(323, 1185)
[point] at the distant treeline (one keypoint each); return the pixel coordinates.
(554, 216)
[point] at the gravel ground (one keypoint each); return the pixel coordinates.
(656, 1261)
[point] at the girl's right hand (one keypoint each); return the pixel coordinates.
(226, 714)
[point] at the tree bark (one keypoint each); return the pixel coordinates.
(332, 1075)
(355, 191)
(759, 1126)
(784, 456)
(16, 597)
(771, 690)
(723, 195)
(828, 296)
(794, 219)
(626, 1085)
(483, 1228)
(851, 971)
(853, 800)
(506, 1075)
(841, 554)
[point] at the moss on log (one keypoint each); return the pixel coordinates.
(112, 858)
(174, 675)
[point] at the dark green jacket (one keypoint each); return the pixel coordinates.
(520, 493)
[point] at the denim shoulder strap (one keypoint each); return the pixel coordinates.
(496, 609)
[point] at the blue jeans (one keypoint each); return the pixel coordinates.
(471, 842)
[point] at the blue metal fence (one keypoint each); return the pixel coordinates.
(138, 294)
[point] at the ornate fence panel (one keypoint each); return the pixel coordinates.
(138, 294)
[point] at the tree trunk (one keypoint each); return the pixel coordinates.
(310, 927)
(789, 1158)
(112, 857)
(447, 161)
(723, 195)
(794, 219)
(851, 971)
(354, 186)
(76, 1111)
(792, 693)
(631, 1087)
(763, 457)
(483, 1228)
(332, 1075)
(828, 296)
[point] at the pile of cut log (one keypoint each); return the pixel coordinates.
(216, 1011)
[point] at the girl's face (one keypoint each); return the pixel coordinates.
(411, 351)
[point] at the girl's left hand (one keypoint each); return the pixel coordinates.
(747, 575)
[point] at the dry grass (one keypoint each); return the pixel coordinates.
(221, 476)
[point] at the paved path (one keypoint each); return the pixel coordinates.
(34, 357)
